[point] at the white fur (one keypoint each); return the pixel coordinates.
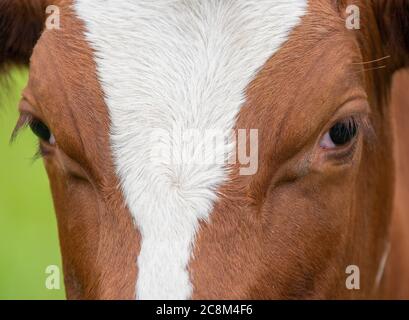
(184, 64)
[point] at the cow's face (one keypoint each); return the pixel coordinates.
(133, 224)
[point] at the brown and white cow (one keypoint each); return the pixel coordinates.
(326, 185)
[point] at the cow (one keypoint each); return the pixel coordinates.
(324, 212)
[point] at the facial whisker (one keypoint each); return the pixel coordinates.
(371, 69)
(374, 68)
(371, 61)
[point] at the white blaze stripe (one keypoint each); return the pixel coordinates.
(185, 64)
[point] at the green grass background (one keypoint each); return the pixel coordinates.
(28, 229)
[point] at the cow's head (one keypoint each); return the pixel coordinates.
(114, 74)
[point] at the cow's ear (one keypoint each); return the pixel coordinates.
(393, 22)
(21, 24)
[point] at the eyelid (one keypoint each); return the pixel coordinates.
(357, 105)
(25, 106)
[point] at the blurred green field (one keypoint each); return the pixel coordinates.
(28, 230)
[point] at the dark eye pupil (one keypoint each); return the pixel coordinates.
(343, 132)
(40, 130)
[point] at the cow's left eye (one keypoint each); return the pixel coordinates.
(341, 134)
(41, 131)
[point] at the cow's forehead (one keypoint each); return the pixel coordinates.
(176, 64)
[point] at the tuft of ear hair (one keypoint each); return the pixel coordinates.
(21, 25)
(393, 21)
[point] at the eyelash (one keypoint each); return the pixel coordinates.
(358, 124)
(27, 120)
(363, 126)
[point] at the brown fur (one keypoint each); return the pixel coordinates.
(99, 243)
(397, 269)
(281, 234)
(287, 232)
(393, 23)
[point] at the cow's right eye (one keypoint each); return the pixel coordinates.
(340, 134)
(41, 131)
